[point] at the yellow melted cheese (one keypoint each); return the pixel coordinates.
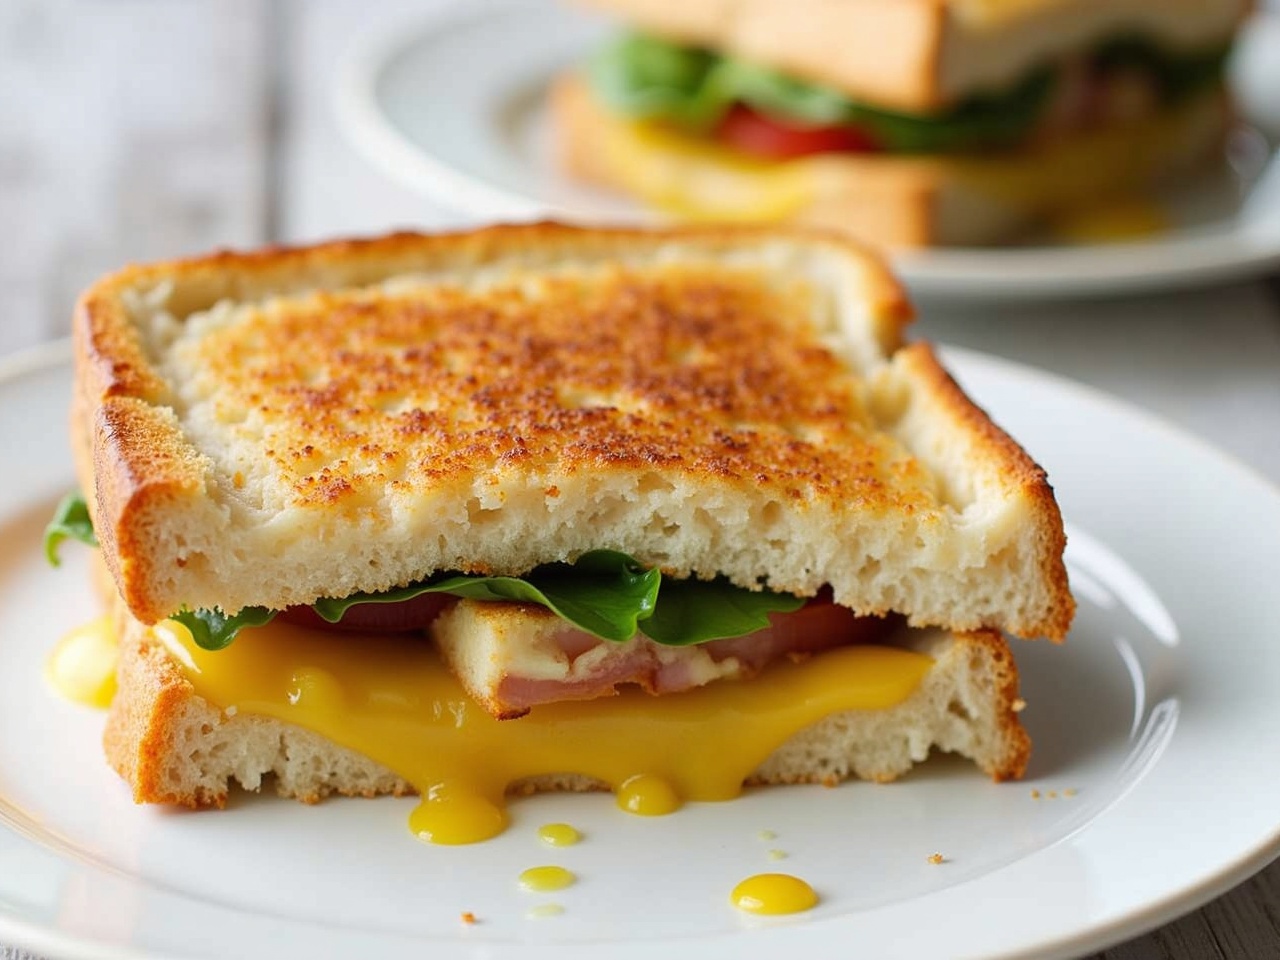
(771, 894)
(82, 667)
(393, 701)
(699, 180)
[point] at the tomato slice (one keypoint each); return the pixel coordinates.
(403, 616)
(763, 136)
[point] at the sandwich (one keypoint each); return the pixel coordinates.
(906, 123)
(547, 508)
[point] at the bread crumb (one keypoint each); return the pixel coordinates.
(1070, 792)
(936, 858)
(468, 918)
(1018, 705)
(767, 835)
(777, 855)
(1035, 794)
(1053, 794)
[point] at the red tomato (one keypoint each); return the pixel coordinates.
(405, 616)
(764, 136)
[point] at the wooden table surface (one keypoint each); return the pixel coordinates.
(135, 129)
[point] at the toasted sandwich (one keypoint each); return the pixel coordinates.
(541, 507)
(907, 123)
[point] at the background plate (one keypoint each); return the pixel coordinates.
(454, 109)
(1156, 733)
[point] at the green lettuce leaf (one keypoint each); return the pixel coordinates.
(213, 629)
(695, 611)
(605, 593)
(71, 519)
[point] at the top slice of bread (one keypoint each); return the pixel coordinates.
(265, 429)
(921, 55)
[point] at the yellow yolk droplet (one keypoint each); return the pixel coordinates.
(558, 835)
(773, 893)
(393, 701)
(82, 667)
(648, 796)
(451, 814)
(546, 879)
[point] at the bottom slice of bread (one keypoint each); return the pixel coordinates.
(173, 746)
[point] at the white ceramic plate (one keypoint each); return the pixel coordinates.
(1159, 715)
(454, 109)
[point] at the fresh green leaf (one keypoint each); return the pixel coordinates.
(214, 630)
(70, 520)
(605, 593)
(646, 77)
(695, 611)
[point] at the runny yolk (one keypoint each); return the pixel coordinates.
(82, 667)
(392, 700)
(648, 796)
(773, 893)
(547, 879)
(558, 834)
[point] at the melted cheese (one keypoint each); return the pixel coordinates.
(772, 894)
(82, 667)
(698, 180)
(392, 700)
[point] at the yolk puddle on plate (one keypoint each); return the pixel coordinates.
(771, 894)
(547, 879)
(82, 667)
(648, 796)
(558, 834)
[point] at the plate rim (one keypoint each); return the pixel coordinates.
(24, 933)
(1169, 263)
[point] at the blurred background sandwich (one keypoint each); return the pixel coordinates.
(907, 123)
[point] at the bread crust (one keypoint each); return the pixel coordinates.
(919, 55)
(173, 747)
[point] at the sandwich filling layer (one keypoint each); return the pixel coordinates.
(395, 702)
(761, 112)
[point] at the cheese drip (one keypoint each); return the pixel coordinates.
(391, 699)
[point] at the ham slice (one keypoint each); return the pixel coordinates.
(597, 668)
